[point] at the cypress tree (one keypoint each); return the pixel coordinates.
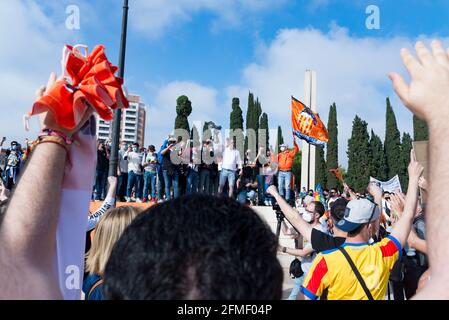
(264, 126)
(392, 143)
(280, 139)
(236, 122)
(358, 156)
(320, 167)
(378, 168)
(250, 114)
(332, 147)
(195, 137)
(420, 129)
(405, 159)
(183, 110)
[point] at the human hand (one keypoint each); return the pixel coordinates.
(427, 95)
(47, 119)
(374, 190)
(397, 204)
(422, 183)
(415, 169)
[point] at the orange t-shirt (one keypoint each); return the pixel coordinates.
(285, 159)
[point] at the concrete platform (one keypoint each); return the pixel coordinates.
(269, 215)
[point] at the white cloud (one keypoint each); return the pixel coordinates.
(161, 112)
(155, 17)
(353, 72)
(31, 48)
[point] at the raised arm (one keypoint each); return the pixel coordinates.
(427, 96)
(291, 214)
(401, 229)
(108, 203)
(28, 230)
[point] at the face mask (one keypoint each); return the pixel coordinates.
(123, 148)
(14, 148)
(307, 217)
(282, 149)
(135, 149)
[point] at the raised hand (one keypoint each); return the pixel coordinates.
(422, 183)
(415, 169)
(427, 95)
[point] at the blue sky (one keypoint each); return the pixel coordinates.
(214, 50)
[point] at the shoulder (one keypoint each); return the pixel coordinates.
(389, 246)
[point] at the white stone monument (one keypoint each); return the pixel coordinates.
(308, 151)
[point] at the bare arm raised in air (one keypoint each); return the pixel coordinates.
(28, 229)
(291, 214)
(427, 96)
(401, 229)
(108, 203)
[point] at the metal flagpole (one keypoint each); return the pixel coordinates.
(113, 161)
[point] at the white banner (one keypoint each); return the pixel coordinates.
(391, 185)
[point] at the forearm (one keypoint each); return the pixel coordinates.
(292, 216)
(297, 252)
(419, 245)
(30, 221)
(402, 228)
(438, 206)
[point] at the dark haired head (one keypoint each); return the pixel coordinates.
(319, 208)
(196, 247)
(338, 209)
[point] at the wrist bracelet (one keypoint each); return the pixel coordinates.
(54, 133)
(53, 139)
(284, 249)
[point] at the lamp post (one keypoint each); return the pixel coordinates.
(113, 161)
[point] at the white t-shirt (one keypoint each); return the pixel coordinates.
(122, 162)
(134, 162)
(231, 159)
(306, 262)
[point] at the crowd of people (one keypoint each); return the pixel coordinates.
(198, 246)
(182, 168)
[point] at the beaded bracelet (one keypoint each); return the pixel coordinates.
(54, 133)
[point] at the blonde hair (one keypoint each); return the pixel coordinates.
(108, 231)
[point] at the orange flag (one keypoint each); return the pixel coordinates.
(337, 173)
(307, 125)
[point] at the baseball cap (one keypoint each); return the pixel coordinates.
(358, 212)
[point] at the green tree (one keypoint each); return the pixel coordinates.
(405, 159)
(320, 167)
(183, 110)
(358, 156)
(195, 137)
(332, 147)
(280, 139)
(264, 126)
(236, 123)
(378, 168)
(392, 143)
(250, 112)
(420, 129)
